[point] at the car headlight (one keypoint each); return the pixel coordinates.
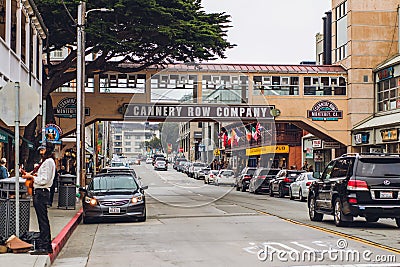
(137, 199)
(91, 201)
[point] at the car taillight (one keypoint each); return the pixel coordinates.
(286, 180)
(357, 185)
(261, 177)
(247, 176)
(352, 200)
(211, 175)
(308, 183)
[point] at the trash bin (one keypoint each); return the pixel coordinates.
(8, 207)
(66, 191)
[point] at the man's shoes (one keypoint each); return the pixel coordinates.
(40, 251)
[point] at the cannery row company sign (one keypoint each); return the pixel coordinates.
(66, 108)
(204, 111)
(325, 110)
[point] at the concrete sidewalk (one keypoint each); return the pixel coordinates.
(62, 223)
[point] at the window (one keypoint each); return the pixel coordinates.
(128, 149)
(14, 25)
(23, 37)
(324, 86)
(174, 87)
(122, 83)
(137, 137)
(275, 85)
(341, 31)
(3, 17)
(128, 143)
(117, 143)
(117, 150)
(118, 137)
(224, 89)
(387, 91)
(127, 137)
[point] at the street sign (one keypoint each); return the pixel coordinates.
(217, 152)
(29, 104)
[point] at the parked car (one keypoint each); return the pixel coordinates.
(158, 157)
(113, 196)
(299, 188)
(201, 173)
(225, 176)
(161, 165)
(186, 167)
(243, 179)
(177, 162)
(281, 182)
(196, 166)
(180, 167)
(210, 176)
(259, 183)
(149, 161)
(365, 185)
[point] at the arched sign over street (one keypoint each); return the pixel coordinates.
(179, 112)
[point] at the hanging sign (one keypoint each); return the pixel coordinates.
(53, 133)
(325, 110)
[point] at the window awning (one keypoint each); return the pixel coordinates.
(379, 121)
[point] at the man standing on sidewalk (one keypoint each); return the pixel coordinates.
(42, 181)
(3, 169)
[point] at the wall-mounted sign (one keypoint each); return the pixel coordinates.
(66, 108)
(389, 135)
(327, 144)
(53, 133)
(183, 112)
(3, 137)
(317, 143)
(361, 138)
(386, 74)
(267, 150)
(325, 110)
(318, 157)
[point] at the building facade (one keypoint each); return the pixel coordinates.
(22, 34)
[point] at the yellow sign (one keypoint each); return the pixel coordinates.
(217, 152)
(267, 150)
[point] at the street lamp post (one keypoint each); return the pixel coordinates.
(80, 91)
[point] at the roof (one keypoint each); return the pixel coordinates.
(378, 121)
(254, 68)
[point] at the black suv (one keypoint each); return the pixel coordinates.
(280, 184)
(243, 179)
(366, 185)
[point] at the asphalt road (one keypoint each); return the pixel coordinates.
(193, 224)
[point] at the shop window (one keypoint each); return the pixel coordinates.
(324, 86)
(275, 85)
(3, 19)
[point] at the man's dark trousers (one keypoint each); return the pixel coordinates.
(40, 201)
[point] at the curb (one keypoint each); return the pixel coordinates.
(62, 238)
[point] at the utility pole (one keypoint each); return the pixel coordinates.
(80, 96)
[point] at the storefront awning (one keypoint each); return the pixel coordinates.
(5, 135)
(379, 121)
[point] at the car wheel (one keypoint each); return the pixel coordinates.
(338, 214)
(142, 218)
(313, 214)
(280, 191)
(237, 187)
(372, 219)
(243, 187)
(291, 197)
(398, 222)
(271, 193)
(302, 198)
(205, 181)
(86, 220)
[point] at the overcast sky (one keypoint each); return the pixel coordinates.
(271, 31)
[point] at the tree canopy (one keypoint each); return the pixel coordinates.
(139, 32)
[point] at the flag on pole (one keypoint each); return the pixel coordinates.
(254, 133)
(248, 135)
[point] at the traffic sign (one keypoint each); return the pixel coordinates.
(217, 152)
(29, 104)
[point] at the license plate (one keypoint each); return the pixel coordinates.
(386, 194)
(114, 210)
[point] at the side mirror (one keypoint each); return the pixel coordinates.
(145, 187)
(317, 175)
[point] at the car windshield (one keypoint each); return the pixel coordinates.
(197, 164)
(227, 173)
(378, 167)
(104, 183)
(250, 171)
(160, 162)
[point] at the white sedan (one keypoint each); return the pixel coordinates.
(225, 176)
(149, 161)
(210, 176)
(299, 188)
